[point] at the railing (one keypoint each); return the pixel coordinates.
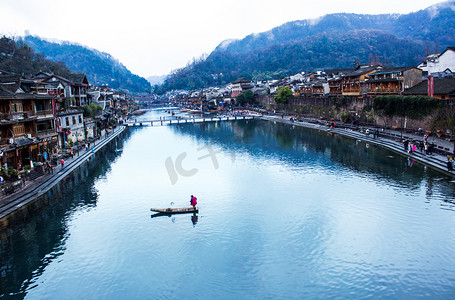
(352, 90)
(45, 132)
(44, 113)
(384, 91)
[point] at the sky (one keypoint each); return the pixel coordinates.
(155, 37)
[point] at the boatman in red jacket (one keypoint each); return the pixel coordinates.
(193, 201)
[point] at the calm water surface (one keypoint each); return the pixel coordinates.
(285, 213)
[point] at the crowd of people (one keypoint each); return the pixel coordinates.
(424, 146)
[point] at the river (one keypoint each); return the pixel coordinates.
(284, 213)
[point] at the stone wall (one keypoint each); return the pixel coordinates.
(349, 109)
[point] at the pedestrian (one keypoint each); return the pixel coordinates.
(193, 201)
(421, 146)
(71, 153)
(62, 162)
(430, 149)
(449, 164)
(405, 144)
(86, 147)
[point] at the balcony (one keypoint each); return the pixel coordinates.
(44, 114)
(45, 132)
(16, 116)
(385, 91)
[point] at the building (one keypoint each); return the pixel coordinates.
(27, 124)
(439, 64)
(443, 88)
(70, 126)
(392, 81)
(353, 83)
(74, 88)
(239, 86)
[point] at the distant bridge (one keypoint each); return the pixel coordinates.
(174, 121)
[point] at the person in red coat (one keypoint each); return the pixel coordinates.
(193, 201)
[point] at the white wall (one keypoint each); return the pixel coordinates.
(445, 61)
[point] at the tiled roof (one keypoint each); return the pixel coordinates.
(392, 70)
(5, 92)
(337, 71)
(9, 84)
(240, 80)
(9, 78)
(362, 70)
(442, 86)
(77, 78)
(24, 142)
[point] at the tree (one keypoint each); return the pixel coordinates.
(240, 99)
(92, 110)
(249, 97)
(282, 95)
(414, 107)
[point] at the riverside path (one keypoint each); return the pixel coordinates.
(390, 139)
(15, 202)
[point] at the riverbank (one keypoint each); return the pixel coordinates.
(389, 139)
(19, 201)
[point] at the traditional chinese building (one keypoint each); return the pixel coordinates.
(239, 86)
(393, 81)
(26, 123)
(441, 88)
(353, 83)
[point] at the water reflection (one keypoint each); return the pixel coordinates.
(194, 217)
(295, 145)
(30, 244)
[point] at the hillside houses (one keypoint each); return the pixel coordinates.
(41, 114)
(363, 81)
(439, 65)
(389, 81)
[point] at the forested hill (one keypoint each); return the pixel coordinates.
(332, 41)
(99, 67)
(19, 58)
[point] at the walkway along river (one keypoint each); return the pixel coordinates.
(389, 139)
(19, 202)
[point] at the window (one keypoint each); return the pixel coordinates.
(67, 121)
(74, 120)
(16, 107)
(19, 130)
(80, 119)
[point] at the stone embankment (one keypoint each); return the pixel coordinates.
(390, 139)
(18, 201)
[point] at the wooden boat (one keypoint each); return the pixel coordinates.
(177, 210)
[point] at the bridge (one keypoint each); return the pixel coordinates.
(174, 120)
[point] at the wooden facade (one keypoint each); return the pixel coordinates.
(353, 84)
(393, 81)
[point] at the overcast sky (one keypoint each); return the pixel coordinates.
(154, 37)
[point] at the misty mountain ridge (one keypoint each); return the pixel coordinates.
(100, 68)
(338, 40)
(417, 24)
(159, 79)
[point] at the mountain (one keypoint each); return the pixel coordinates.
(156, 79)
(332, 41)
(19, 58)
(99, 67)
